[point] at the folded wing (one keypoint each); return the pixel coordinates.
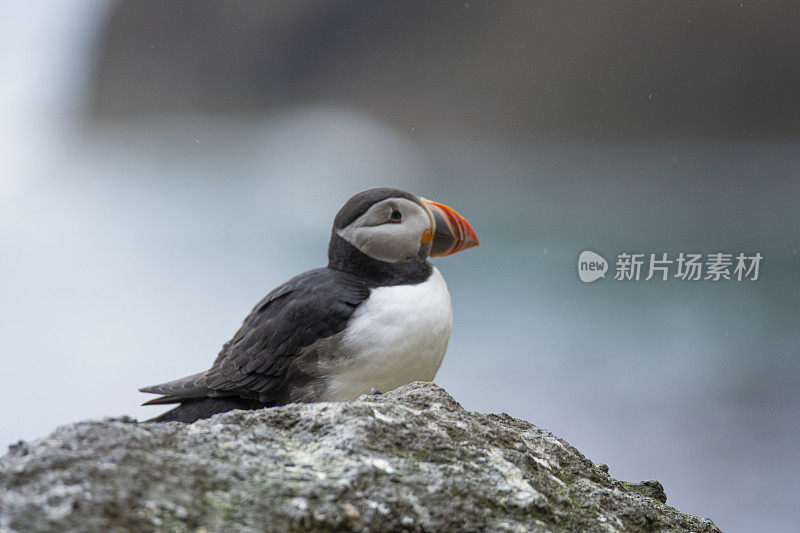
(255, 363)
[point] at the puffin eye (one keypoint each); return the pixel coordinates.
(396, 216)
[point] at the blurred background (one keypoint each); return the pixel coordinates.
(164, 165)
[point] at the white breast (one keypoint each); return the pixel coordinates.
(396, 336)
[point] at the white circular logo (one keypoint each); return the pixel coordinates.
(591, 266)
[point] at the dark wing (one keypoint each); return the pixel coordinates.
(254, 363)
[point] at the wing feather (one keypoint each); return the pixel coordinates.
(255, 363)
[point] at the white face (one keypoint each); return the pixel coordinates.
(392, 230)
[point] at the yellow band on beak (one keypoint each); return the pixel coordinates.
(427, 237)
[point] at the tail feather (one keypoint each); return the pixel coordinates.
(176, 391)
(197, 408)
(165, 400)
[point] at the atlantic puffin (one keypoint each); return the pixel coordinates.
(378, 316)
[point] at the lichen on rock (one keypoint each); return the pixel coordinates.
(409, 460)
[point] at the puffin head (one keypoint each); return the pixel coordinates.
(393, 226)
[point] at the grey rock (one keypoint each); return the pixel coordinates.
(651, 488)
(410, 459)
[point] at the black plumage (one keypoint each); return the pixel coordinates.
(272, 359)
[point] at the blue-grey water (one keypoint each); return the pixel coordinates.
(129, 254)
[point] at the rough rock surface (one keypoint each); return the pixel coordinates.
(411, 459)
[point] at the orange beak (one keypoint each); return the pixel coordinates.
(453, 233)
